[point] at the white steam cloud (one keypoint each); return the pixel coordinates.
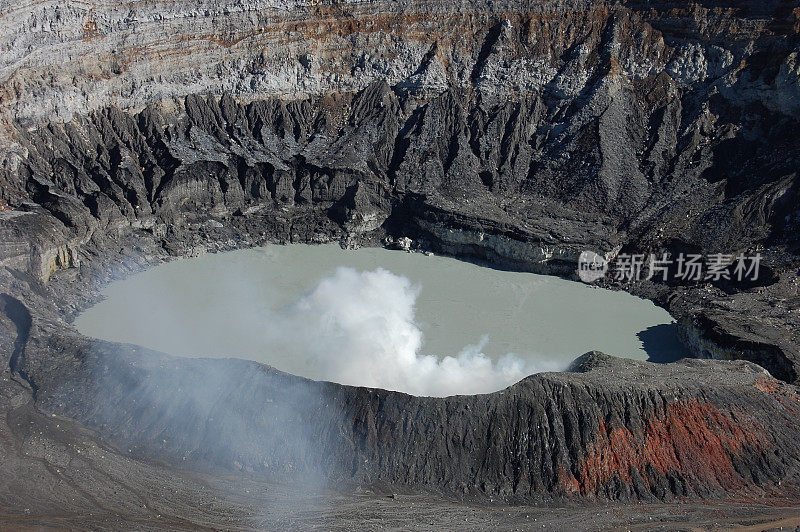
(359, 328)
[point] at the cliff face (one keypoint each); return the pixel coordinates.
(64, 59)
(632, 116)
(522, 133)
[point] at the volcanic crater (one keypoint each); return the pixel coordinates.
(515, 134)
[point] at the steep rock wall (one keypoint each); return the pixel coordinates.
(521, 133)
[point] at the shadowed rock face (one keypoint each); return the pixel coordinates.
(513, 133)
(525, 183)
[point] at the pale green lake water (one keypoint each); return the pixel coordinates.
(245, 304)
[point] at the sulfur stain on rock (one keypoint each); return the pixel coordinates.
(90, 28)
(693, 440)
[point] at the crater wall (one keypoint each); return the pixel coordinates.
(515, 132)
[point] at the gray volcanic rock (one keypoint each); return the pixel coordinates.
(471, 191)
(514, 133)
(609, 429)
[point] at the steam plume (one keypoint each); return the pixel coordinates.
(359, 328)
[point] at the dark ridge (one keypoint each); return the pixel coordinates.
(16, 312)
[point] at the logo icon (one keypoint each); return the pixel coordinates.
(591, 266)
